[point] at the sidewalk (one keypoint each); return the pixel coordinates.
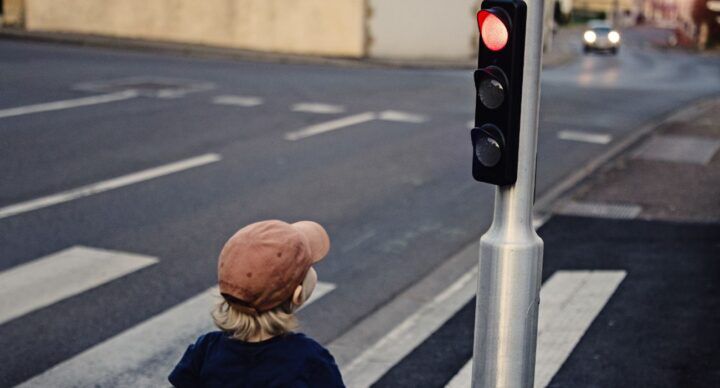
(673, 175)
(652, 215)
(655, 213)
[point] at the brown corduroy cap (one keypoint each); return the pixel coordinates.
(261, 265)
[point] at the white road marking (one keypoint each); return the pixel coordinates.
(143, 355)
(626, 211)
(388, 115)
(244, 101)
(398, 343)
(170, 94)
(67, 104)
(330, 126)
(587, 137)
(316, 107)
(405, 117)
(55, 277)
(569, 302)
(463, 378)
(110, 184)
(148, 86)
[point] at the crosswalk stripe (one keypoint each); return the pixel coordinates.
(569, 302)
(110, 184)
(243, 101)
(69, 272)
(316, 107)
(143, 355)
(398, 343)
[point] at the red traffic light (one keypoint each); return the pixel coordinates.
(493, 30)
(498, 86)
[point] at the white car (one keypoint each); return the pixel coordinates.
(600, 36)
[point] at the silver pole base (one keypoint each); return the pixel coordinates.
(506, 311)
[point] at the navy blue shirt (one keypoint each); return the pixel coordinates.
(290, 360)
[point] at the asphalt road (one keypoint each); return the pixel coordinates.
(658, 328)
(397, 197)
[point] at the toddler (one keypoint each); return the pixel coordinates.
(265, 274)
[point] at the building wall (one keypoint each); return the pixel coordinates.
(425, 29)
(319, 27)
(394, 29)
(13, 13)
(430, 29)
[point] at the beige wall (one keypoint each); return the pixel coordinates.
(13, 12)
(430, 29)
(321, 27)
(424, 29)
(395, 29)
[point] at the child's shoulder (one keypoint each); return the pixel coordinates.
(210, 337)
(293, 339)
(318, 365)
(308, 346)
(207, 340)
(293, 344)
(303, 339)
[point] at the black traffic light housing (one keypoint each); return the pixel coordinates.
(498, 86)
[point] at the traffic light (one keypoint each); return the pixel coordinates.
(498, 85)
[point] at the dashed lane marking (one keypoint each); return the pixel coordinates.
(243, 101)
(110, 184)
(316, 107)
(52, 278)
(404, 117)
(569, 302)
(586, 137)
(68, 104)
(143, 355)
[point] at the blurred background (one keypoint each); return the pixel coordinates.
(344, 28)
(136, 136)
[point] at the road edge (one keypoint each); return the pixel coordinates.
(547, 203)
(218, 52)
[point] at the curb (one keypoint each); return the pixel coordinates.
(546, 204)
(187, 49)
(217, 52)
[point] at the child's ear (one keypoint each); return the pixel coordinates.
(302, 292)
(297, 298)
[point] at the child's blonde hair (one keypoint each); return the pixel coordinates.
(243, 326)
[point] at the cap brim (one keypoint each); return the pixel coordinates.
(317, 238)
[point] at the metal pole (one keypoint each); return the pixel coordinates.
(510, 265)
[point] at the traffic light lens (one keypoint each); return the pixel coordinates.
(493, 31)
(487, 151)
(491, 93)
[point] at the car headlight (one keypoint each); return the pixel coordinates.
(590, 36)
(614, 37)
